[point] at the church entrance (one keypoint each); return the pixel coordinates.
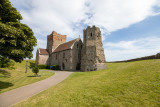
(63, 66)
(78, 66)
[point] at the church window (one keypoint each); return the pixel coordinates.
(56, 56)
(63, 55)
(81, 46)
(77, 45)
(66, 60)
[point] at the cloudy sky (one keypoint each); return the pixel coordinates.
(130, 28)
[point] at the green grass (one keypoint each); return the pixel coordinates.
(11, 79)
(122, 84)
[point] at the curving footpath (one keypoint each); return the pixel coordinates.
(16, 95)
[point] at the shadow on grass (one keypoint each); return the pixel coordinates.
(34, 76)
(4, 85)
(31, 76)
(4, 73)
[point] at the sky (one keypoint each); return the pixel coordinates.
(130, 28)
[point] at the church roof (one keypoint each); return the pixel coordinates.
(43, 51)
(65, 46)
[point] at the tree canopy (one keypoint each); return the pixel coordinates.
(16, 39)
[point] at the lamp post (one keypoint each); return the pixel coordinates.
(26, 66)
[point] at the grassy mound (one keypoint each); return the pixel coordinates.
(122, 84)
(11, 79)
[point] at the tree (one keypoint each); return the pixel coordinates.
(16, 39)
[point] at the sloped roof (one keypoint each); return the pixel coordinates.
(65, 46)
(43, 51)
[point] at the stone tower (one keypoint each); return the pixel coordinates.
(54, 40)
(93, 57)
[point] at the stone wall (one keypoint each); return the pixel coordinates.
(93, 57)
(63, 59)
(68, 59)
(76, 55)
(43, 59)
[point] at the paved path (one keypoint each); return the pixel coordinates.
(16, 95)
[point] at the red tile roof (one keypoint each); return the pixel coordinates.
(64, 46)
(43, 51)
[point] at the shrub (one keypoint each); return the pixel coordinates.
(42, 66)
(35, 70)
(55, 67)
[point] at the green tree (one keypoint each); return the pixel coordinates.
(16, 39)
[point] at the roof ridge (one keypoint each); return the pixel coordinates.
(74, 42)
(65, 46)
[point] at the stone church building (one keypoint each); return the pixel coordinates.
(74, 55)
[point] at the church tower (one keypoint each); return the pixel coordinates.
(54, 40)
(93, 57)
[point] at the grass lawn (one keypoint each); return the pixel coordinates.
(11, 79)
(122, 84)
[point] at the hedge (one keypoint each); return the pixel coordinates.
(55, 67)
(42, 66)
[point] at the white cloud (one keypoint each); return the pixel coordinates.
(124, 50)
(117, 14)
(68, 16)
(59, 15)
(41, 43)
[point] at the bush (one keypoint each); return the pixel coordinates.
(35, 70)
(42, 66)
(55, 67)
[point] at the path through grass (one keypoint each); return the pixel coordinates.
(11, 79)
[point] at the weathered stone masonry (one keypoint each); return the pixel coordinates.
(93, 57)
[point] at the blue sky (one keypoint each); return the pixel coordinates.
(130, 28)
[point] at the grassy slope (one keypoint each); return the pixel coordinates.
(122, 84)
(11, 79)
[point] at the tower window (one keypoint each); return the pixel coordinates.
(91, 34)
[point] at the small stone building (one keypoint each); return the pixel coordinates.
(74, 55)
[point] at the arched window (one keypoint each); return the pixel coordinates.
(77, 45)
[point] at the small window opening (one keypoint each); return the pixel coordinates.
(63, 55)
(77, 45)
(56, 56)
(91, 34)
